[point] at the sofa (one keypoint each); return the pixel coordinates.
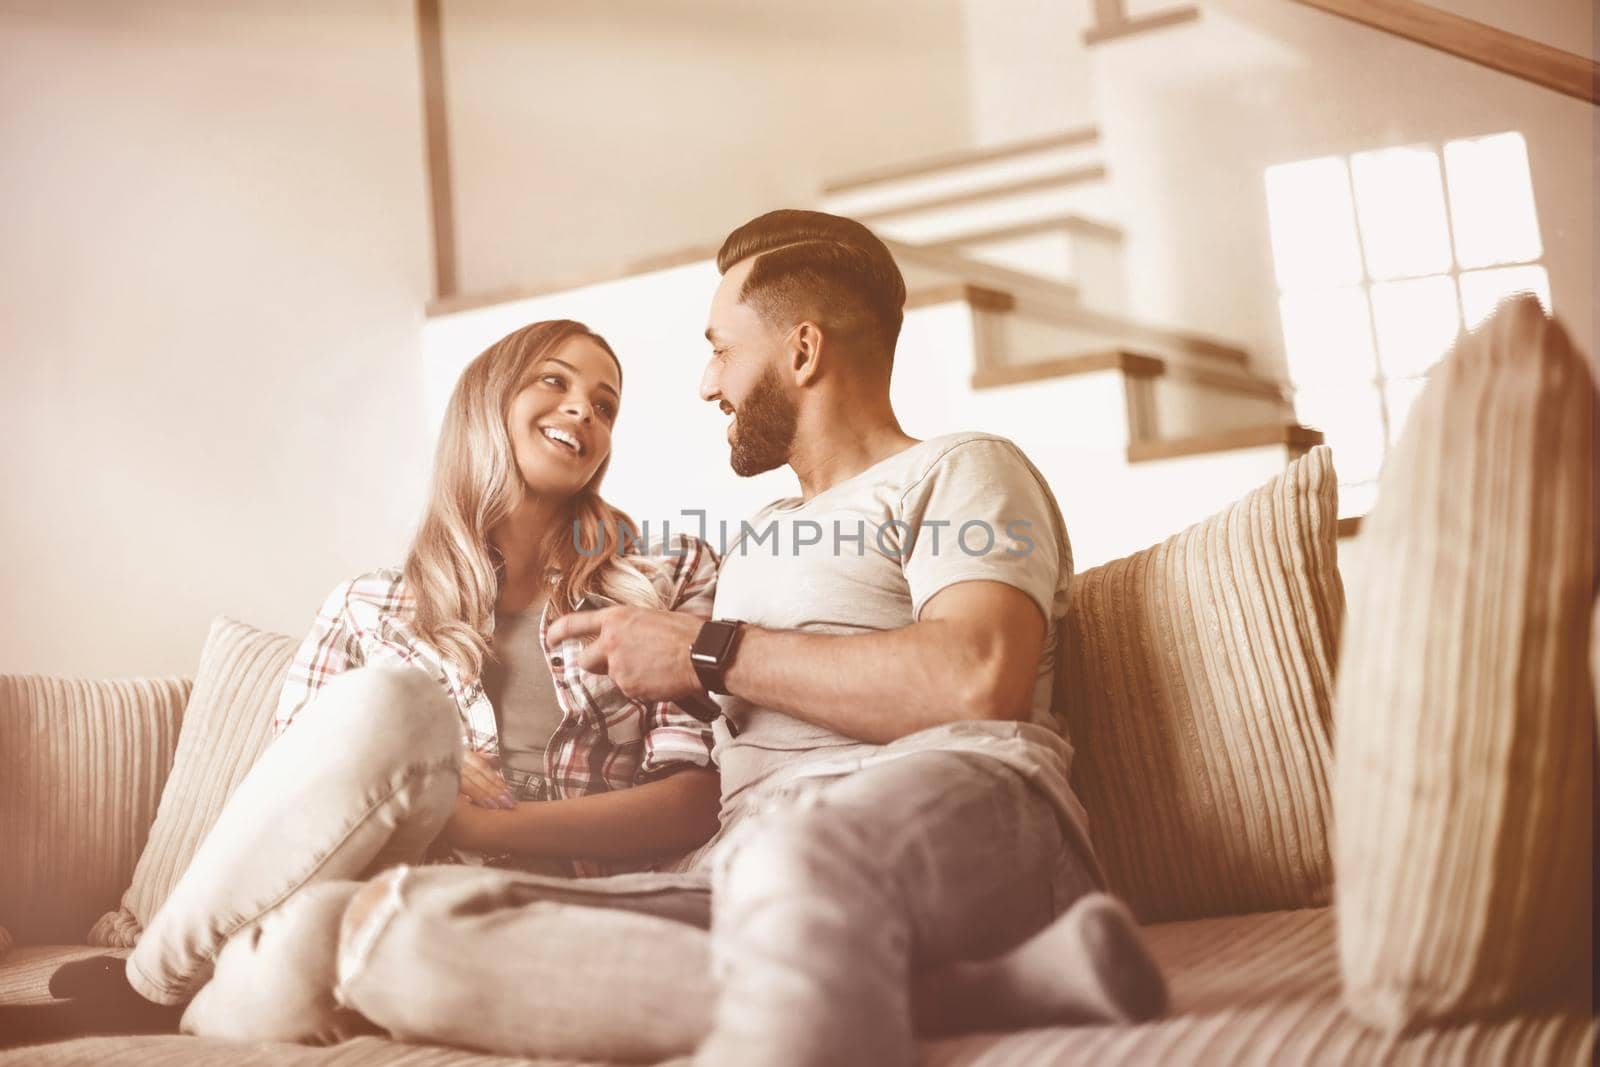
(1200, 683)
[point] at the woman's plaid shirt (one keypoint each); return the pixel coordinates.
(605, 741)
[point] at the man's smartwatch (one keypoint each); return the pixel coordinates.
(712, 652)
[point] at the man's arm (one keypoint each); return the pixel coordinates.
(973, 654)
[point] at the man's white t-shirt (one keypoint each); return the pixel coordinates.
(868, 554)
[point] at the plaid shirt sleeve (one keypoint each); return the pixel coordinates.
(674, 739)
(355, 626)
(328, 650)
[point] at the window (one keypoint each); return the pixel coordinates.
(1381, 259)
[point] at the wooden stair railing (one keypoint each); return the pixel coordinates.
(1298, 439)
(1476, 42)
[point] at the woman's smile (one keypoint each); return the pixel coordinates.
(563, 440)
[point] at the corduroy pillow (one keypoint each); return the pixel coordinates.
(226, 725)
(1198, 690)
(1465, 714)
(82, 766)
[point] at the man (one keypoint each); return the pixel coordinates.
(900, 849)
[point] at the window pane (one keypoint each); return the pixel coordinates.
(1481, 290)
(1399, 395)
(1491, 201)
(1417, 322)
(1401, 203)
(1313, 224)
(1352, 424)
(1327, 337)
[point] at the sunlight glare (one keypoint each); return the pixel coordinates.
(1417, 321)
(1491, 200)
(1328, 337)
(1351, 424)
(1313, 224)
(1400, 199)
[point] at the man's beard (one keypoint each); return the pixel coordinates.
(763, 428)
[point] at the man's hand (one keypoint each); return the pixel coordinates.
(645, 652)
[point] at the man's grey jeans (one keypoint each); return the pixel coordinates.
(812, 916)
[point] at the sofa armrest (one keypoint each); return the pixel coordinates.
(82, 766)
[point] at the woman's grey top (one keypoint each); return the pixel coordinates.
(518, 684)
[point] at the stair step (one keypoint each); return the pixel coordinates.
(1071, 249)
(1129, 362)
(1173, 343)
(1239, 381)
(1133, 364)
(967, 180)
(1051, 182)
(1053, 309)
(961, 160)
(930, 271)
(1128, 26)
(1163, 399)
(980, 297)
(1291, 434)
(1076, 225)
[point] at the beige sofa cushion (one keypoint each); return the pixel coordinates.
(1247, 991)
(1465, 716)
(225, 727)
(82, 765)
(1198, 689)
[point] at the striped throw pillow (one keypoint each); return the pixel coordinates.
(1465, 707)
(1197, 689)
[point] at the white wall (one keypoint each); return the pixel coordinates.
(586, 135)
(1192, 116)
(214, 262)
(1028, 68)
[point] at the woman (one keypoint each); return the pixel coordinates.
(515, 536)
(369, 766)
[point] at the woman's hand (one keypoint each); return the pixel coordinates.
(482, 784)
(472, 827)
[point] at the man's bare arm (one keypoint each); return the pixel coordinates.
(974, 654)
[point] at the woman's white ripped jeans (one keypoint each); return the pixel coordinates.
(364, 778)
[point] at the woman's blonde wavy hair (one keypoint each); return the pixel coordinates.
(452, 571)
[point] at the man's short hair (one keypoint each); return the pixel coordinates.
(821, 267)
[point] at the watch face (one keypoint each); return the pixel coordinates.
(713, 641)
